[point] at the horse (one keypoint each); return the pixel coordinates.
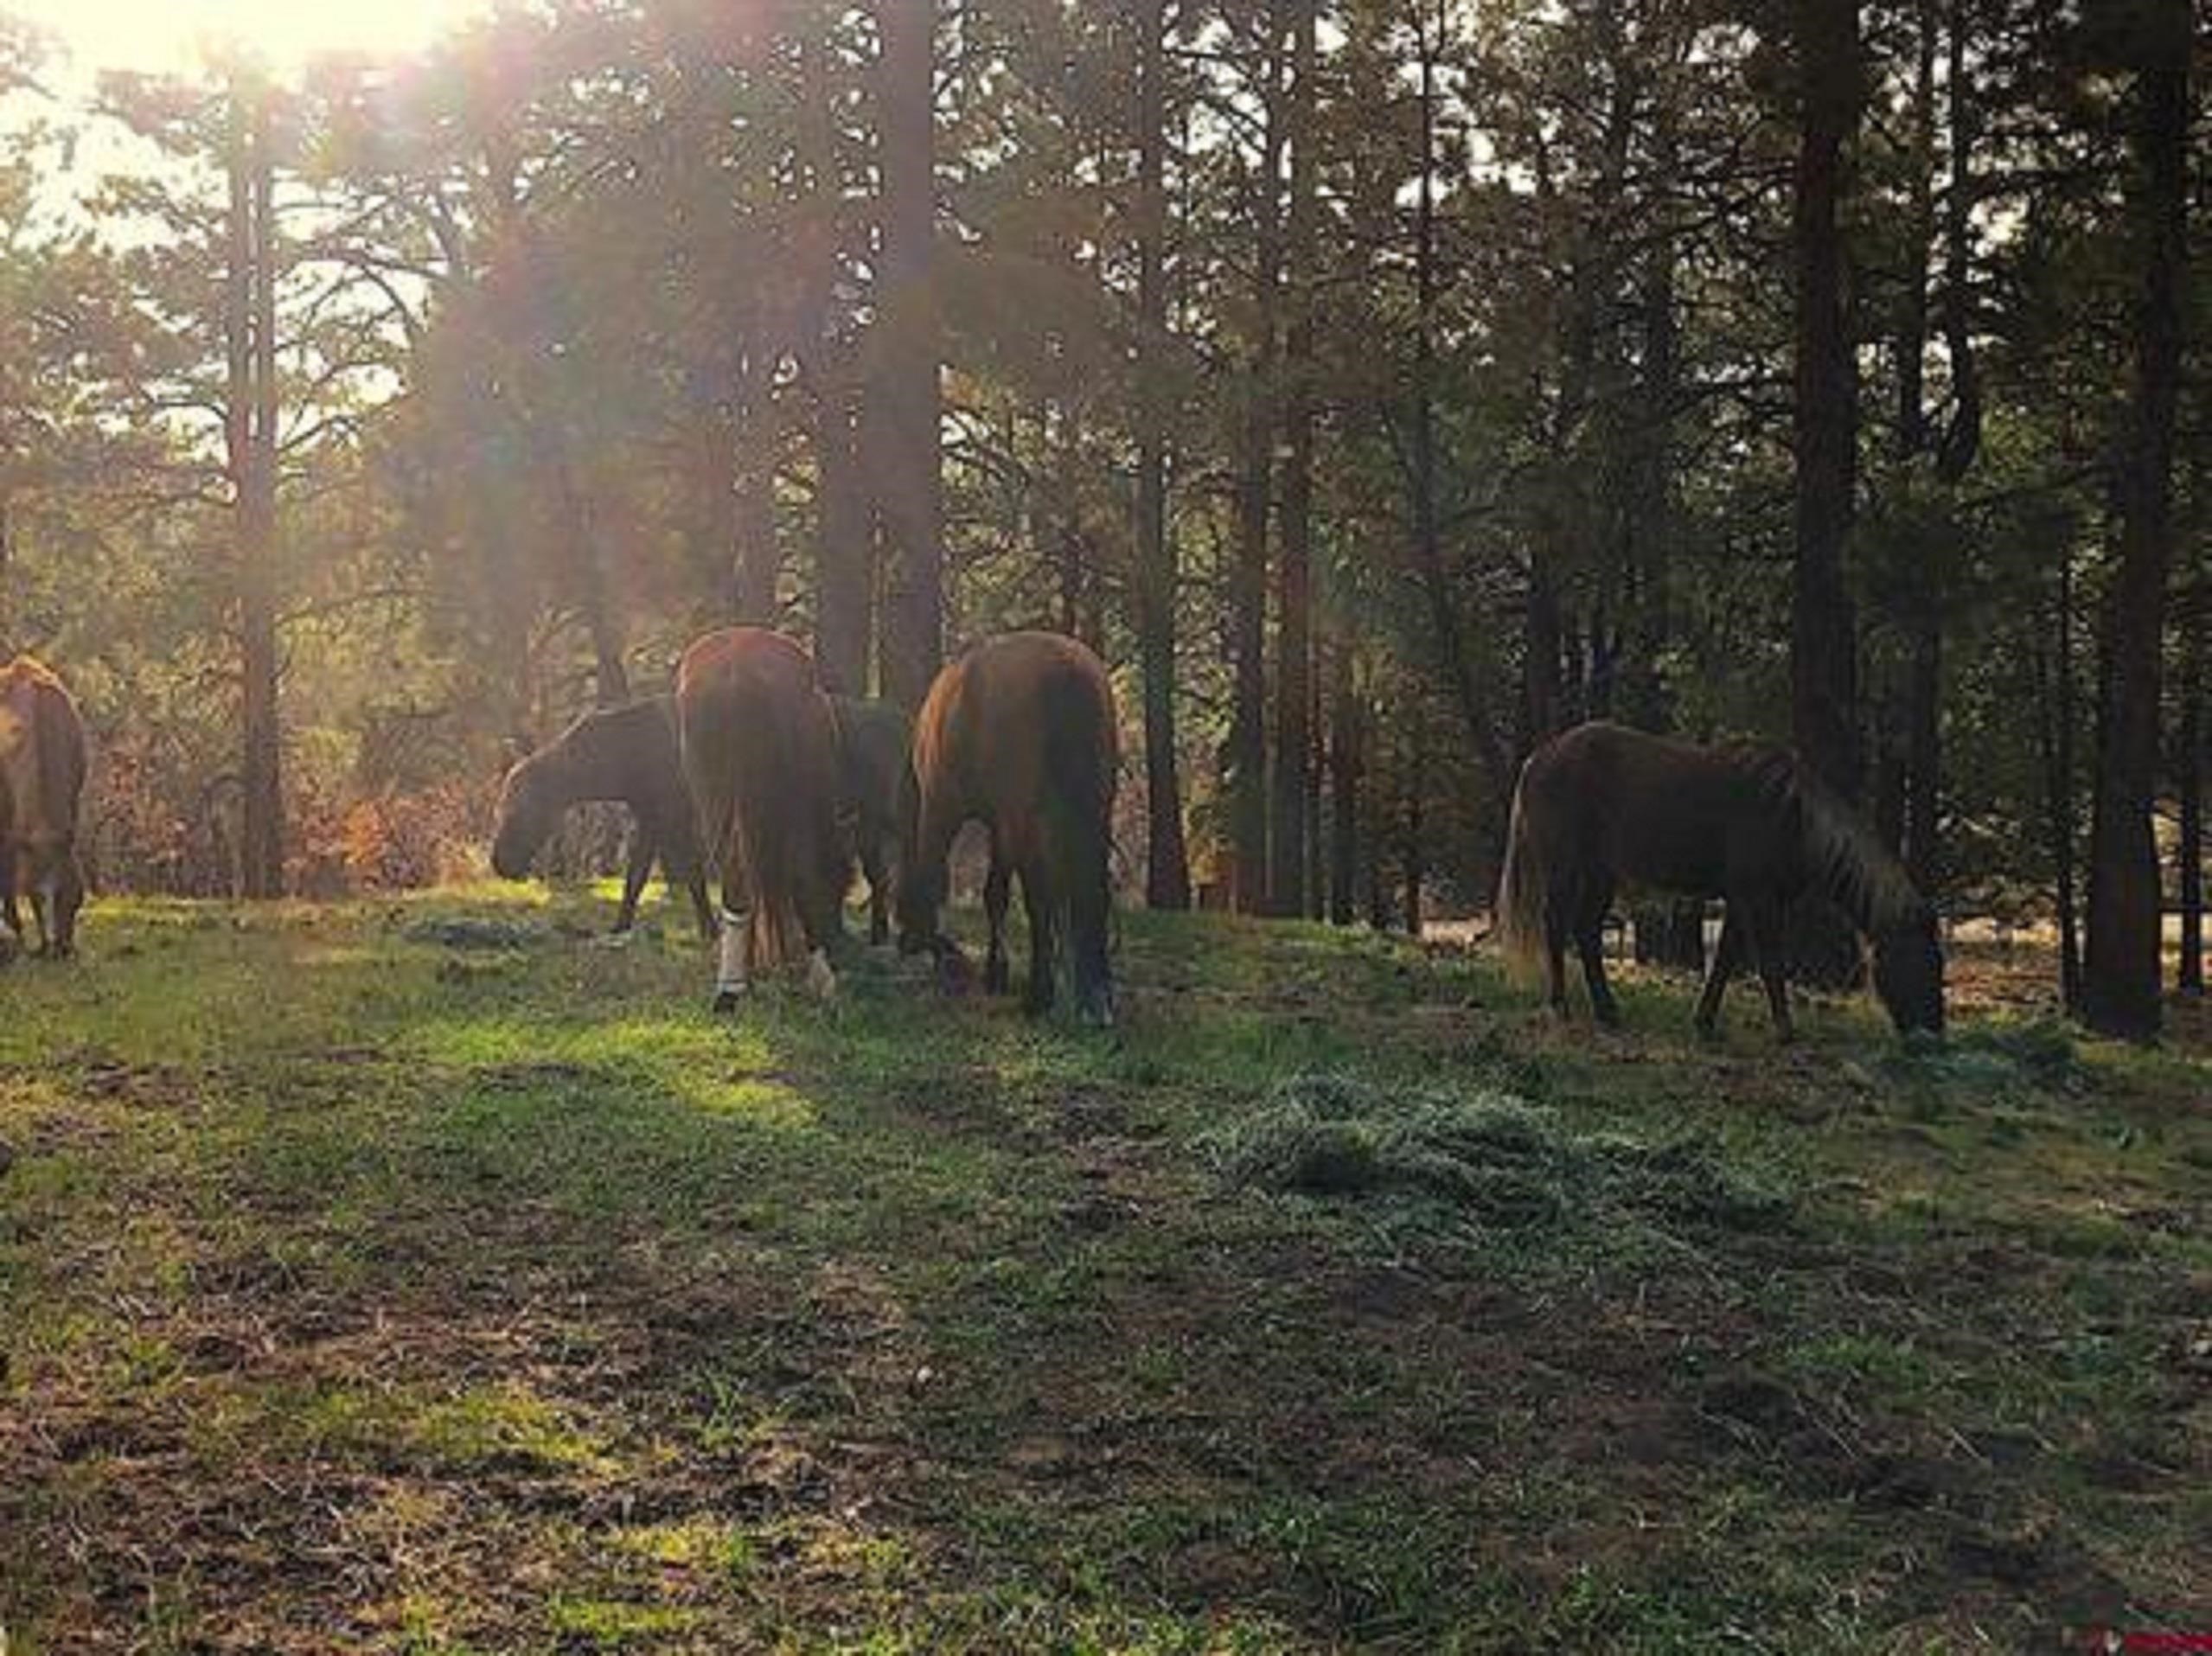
(1019, 734)
(628, 753)
(871, 741)
(42, 779)
(1601, 804)
(759, 739)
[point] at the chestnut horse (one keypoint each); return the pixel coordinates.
(1749, 823)
(1018, 734)
(760, 753)
(626, 753)
(41, 778)
(871, 741)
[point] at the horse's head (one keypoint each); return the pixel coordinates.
(527, 814)
(1908, 974)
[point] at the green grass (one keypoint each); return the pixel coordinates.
(428, 1275)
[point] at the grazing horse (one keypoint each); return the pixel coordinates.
(760, 753)
(42, 777)
(871, 741)
(627, 753)
(1601, 804)
(1019, 734)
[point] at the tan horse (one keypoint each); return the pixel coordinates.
(41, 778)
(1020, 735)
(1602, 804)
(760, 753)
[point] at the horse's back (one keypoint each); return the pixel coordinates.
(1655, 809)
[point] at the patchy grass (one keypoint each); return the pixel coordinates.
(433, 1277)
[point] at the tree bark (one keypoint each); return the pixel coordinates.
(1823, 667)
(907, 405)
(1167, 875)
(251, 435)
(2121, 968)
(1245, 755)
(2189, 783)
(1347, 763)
(1293, 772)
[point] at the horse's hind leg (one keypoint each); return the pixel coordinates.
(998, 888)
(1725, 954)
(1038, 896)
(1589, 944)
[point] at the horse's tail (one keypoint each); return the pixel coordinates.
(785, 819)
(1523, 885)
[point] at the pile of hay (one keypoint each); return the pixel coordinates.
(1489, 1155)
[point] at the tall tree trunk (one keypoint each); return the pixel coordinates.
(2052, 665)
(907, 397)
(1167, 875)
(1440, 598)
(844, 551)
(1824, 645)
(1414, 847)
(1245, 757)
(2189, 783)
(1823, 667)
(1347, 761)
(1293, 772)
(250, 434)
(755, 557)
(2121, 976)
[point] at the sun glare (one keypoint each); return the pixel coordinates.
(178, 35)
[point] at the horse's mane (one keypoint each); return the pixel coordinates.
(1843, 857)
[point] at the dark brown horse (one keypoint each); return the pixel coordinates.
(760, 753)
(41, 778)
(1019, 734)
(626, 753)
(871, 741)
(1601, 804)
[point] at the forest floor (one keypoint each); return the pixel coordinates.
(429, 1276)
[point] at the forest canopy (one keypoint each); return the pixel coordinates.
(1381, 385)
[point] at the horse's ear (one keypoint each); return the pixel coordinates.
(512, 751)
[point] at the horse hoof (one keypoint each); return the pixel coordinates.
(821, 979)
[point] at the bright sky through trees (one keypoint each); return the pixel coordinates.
(159, 36)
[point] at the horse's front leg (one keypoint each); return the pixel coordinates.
(11, 913)
(997, 889)
(1725, 953)
(644, 847)
(1769, 941)
(878, 886)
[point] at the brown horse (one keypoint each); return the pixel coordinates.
(1602, 804)
(872, 742)
(626, 753)
(760, 753)
(41, 778)
(1019, 734)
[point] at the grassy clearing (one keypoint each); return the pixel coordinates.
(430, 1276)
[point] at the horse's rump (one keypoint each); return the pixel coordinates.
(42, 781)
(1020, 734)
(41, 755)
(760, 751)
